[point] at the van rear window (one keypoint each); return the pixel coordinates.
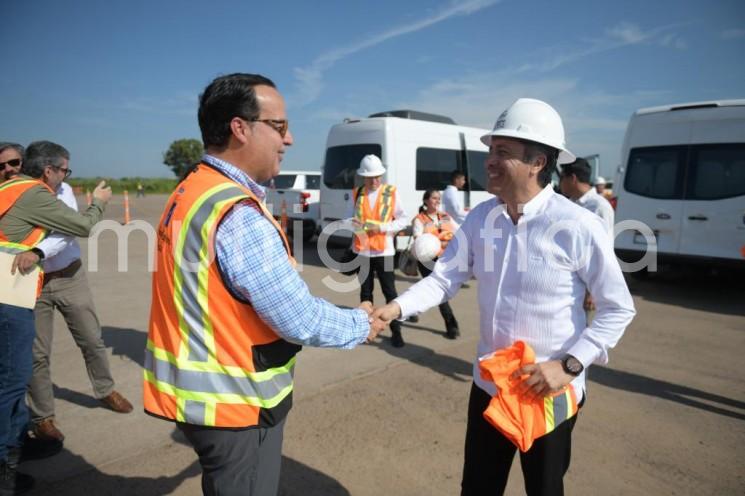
(656, 172)
(434, 166)
(342, 162)
(282, 181)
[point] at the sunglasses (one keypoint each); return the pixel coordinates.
(14, 162)
(66, 170)
(279, 125)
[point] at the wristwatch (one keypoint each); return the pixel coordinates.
(572, 366)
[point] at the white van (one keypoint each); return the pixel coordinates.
(682, 173)
(419, 151)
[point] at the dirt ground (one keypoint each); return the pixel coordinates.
(665, 417)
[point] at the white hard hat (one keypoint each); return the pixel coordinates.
(426, 247)
(532, 120)
(599, 180)
(370, 166)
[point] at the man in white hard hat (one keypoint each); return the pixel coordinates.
(600, 185)
(534, 254)
(377, 215)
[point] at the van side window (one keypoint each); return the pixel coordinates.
(342, 162)
(656, 172)
(312, 181)
(716, 172)
(433, 167)
(477, 170)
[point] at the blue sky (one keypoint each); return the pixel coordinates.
(116, 82)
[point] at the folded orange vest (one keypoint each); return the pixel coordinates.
(520, 421)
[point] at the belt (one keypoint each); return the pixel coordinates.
(66, 272)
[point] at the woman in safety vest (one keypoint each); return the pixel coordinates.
(431, 220)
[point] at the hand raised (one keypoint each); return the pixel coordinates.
(102, 192)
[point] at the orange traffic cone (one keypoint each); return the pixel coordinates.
(126, 207)
(88, 197)
(283, 217)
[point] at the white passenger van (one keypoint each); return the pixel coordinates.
(419, 151)
(682, 173)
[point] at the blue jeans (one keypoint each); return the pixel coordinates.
(16, 340)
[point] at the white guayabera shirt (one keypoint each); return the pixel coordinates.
(532, 279)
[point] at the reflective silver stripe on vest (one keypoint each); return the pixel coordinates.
(214, 382)
(194, 412)
(192, 248)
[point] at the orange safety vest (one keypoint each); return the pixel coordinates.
(382, 213)
(10, 191)
(522, 422)
(444, 232)
(210, 359)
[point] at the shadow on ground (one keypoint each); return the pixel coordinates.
(684, 395)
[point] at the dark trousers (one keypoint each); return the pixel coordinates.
(16, 340)
(489, 455)
(445, 310)
(387, 280)
(243, 462)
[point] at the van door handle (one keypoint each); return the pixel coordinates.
(697, 217)
(663, 216)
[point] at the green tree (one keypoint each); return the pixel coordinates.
(182, 154)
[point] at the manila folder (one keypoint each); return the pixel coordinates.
(17, 289)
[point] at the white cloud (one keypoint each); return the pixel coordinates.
(732, 34)
(310, 78)
(627, 33)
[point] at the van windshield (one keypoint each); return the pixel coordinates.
(342, 163)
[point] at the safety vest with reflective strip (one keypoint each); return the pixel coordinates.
(210, 360)
(522, 422)
(444, 231)
(10, 191)
(382, 213)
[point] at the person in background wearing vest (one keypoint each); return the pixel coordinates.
(574, 181)
(377, 216)
(229, 312)
(430, 220)
(451, 197)
(532, 280)
(66, 289)
(28, 210)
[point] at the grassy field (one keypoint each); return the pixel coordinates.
(151, 185)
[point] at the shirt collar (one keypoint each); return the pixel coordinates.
(235, 174)
(586, 197)
(535, 205)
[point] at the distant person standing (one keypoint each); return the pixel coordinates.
(377, 215)
(600, 185)
(574, 182)
(140, 190)
(431, 221)
(451, 197)
(65, 288)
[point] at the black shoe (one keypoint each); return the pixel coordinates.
(413, 319)
(451, 329)
(13, 482)
(397, 340)
(34, 449)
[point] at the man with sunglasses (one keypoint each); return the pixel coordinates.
(11, 158)
(65, 289)
(28, 210)
(229, 311)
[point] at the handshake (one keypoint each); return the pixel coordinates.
(379, 317)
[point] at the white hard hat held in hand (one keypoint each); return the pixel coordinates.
(532, 120)
(426, 247)
(370, 166)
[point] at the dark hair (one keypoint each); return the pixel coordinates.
(4, 145)
(533, 150)
(456, 174)
(579, 168)
(41, 154)
(223, 99)
(426, 196)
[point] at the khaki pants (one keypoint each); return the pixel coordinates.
(70, 295)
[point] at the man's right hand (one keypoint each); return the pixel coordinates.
(24, 262)
(388, 312)
(102, 192)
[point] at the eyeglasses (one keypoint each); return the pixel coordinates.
(279, 125)
(66, 170)
(14, 162)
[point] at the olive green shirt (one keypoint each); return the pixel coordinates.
(38, 207)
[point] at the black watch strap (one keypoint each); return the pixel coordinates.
(38, 252)
(572, 366)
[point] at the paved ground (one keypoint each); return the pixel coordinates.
(667, 416)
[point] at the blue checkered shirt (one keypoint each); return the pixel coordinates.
(255, 266)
